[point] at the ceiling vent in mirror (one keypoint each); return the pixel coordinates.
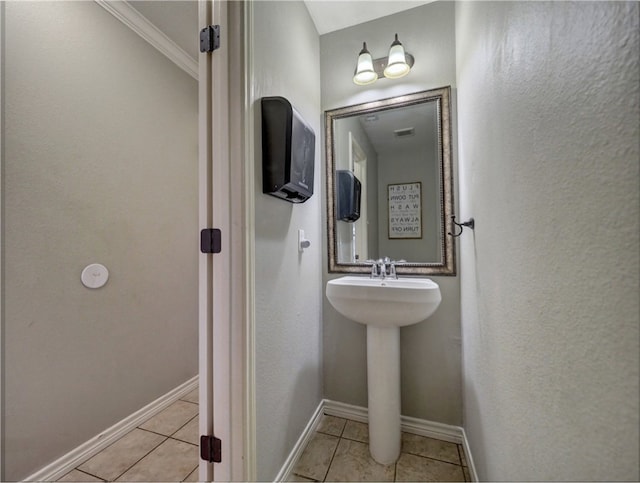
(402, 133)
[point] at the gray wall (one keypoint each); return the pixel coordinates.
(431, 358)
(288, 307)
(100, 165)
(548, 127)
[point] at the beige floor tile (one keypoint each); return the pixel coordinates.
(189, 432)
(314, 461)
(416, 468)
(192, 396)
(172, 418)
(331, 425)
(171, 461)
(356, 431)
(78, 476)
(352, 462)
(193, 476)
(431, 448)
(121, 455)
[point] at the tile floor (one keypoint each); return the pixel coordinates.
(163, 448)
(339, 451)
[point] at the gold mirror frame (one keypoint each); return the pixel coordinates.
(442, 96)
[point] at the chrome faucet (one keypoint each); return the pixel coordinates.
(379, 268)
(374, 268)
(392, 270)
(382, 267)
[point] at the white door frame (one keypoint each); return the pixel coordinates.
(226, 282)
(358, 165)
(2, 53)
(205, 262)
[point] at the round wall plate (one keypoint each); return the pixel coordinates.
(94, 275)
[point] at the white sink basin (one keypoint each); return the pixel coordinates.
(384, 303)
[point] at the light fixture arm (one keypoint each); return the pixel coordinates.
(380, 64)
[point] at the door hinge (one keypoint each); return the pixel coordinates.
(211, 240)
(211, 449)
(210, 38)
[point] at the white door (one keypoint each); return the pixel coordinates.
(223, 294)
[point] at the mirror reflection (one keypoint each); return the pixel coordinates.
(389, 177)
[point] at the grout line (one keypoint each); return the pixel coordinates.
(189, 474)
(186, 400)
(147, 454)
(344, 426)
(356, 440)
(180, 428)
(331, 462)
(431, 458)
(182, 441)
(155, 432)
(87, 473)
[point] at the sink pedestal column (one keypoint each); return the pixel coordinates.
(383, 382)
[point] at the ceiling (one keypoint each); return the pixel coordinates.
(331, 15)
(179, 19)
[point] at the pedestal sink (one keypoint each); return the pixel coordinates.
(384, 305)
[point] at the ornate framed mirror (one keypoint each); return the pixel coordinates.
(390, 184)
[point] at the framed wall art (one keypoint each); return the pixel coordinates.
(405, 210)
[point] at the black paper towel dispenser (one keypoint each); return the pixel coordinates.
(288, 151)
(348, 189)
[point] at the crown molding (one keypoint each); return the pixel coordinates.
(123, 11)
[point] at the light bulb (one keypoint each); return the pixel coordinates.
(364, 73)
(397, 63)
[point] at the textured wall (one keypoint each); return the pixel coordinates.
(431, 359)
(288, 283)
(100, 165)
(548, 97)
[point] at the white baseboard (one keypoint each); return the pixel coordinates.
(301, 444)
(421, 427)
(467, 454)
(60, 467)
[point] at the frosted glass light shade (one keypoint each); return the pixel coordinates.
(364, 69)
(397, 65)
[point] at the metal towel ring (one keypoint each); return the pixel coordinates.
(471, 224)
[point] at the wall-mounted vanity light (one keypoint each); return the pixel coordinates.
(396, 65)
